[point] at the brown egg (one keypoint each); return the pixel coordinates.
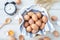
(34, 27)
(40, 20)
(54, 18)
(12, 38)
(26, 24)
(46, 38)
(18, 2)
(38, 23)
(31, 21)
(34, 17)
(42, 26)
(34, 31)
(56, 33)
(21, 37)
(38, 14)
(40, 39)
(30, 13)
(44, 19)
(28, 29)
(26, 17)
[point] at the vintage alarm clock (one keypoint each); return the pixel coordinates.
(10, 8)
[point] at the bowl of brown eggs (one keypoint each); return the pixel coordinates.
(34, 21)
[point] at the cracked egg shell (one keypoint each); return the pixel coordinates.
(11, 33)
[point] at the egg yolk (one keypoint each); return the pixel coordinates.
(10, 33)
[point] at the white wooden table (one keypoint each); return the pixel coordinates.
(14, 24)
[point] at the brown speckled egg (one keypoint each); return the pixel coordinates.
(31, 21)
(46, 38)
(44, 19)
(38, 23)
(38, 14)
(28, 29)
(34, 31)
(26, 17)
(26, 24)
(54, 18)
(30, 13)
(34, 27)
(56, 33)
(42, 26)
(34, 17)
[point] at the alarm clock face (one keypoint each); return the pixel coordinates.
(10, 9)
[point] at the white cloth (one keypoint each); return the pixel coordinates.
(48, 26)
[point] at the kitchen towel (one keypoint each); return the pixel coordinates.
(36, 8)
